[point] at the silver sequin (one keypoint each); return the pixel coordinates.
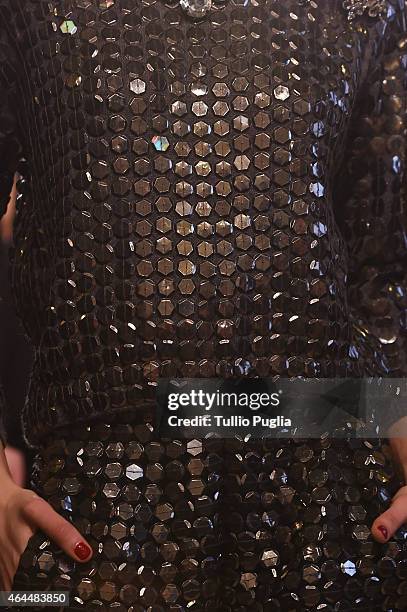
(375, 8)
(196, 8)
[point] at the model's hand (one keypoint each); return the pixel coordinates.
(22, 512)
(389, 521)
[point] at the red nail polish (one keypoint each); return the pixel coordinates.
(383, 530)
(82, 551)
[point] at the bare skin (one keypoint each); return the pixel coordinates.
(7, 220)
(389, 521)
(16, 464)
(22, 512)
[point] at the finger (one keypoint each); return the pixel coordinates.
(389, 521)
(61, 531)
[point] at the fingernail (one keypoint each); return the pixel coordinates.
(82, 550)
(383, 530)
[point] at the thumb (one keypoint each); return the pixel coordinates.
(39, 513)
(389, 521)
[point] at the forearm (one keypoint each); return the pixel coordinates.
(7, 483)
(397, 435)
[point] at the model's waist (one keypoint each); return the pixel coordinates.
(51, 404)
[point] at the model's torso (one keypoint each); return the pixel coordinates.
(180, 218)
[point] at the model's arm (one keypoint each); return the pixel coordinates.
(22, 512)
(10, 134)
(371, 208)
(6, 221)
(15, 457)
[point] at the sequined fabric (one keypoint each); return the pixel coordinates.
(206, 197)
(211, 197)
(217, 525)
(357, 7)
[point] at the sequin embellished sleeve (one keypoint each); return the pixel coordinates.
(10, 148)
(371, 206)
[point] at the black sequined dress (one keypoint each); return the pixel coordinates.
(207, 189)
